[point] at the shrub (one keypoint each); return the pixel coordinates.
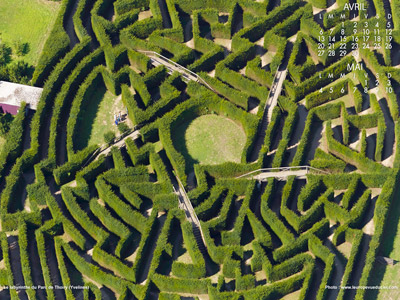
(109, 137)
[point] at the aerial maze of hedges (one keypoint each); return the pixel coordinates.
(113, 224)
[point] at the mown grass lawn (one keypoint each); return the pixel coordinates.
(210, 139)
(28, 21)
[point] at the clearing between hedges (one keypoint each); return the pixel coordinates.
(210, 139)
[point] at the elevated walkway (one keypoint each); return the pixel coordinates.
(281, 173)
(186, 205)
(158, 59)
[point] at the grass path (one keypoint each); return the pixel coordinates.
(210, 139)
(27, 21)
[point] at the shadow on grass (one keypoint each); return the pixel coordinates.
(179, 142)
(86, 118)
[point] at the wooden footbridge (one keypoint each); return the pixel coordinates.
(281, 173)
(186, 205)
(187, 75)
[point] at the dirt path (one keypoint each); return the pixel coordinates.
(53, 268)
(15, 261)
(165, 14)
(36, 269)
(69, 25)
(148, 256)
(338, 271)
(389, 141)
(359, 265)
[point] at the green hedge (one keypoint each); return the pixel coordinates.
(124, 6)
(233, 95)
(357, 213)
(166, 201)
(40, 242)
(67, 171)
(315, 82)
(198, 268)
(127, 214)
(89, 173)
(169, 284)
(56, 46)
(319, 3)
(139, 61)
(80, 14)
(25, 263)
(93, 271)
(97, 233)
(7, 264)
(183, 55)
(13, 146)
(338, 90)
(354, 256)
(67, 92)
(272, 220)
(254, 71)
(86, 90)
(351, 156)
(311, 191)
(320, 229)
(382, 206)
(112, 224)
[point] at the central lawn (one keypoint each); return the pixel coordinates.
(210, 139)
(28, 21)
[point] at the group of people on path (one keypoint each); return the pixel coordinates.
(118, 117)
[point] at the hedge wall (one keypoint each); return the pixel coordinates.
(56, 46)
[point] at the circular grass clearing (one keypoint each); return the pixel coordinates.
(210, 139)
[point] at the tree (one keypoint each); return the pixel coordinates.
(19, 72)
(5, 122)
(5, 54)
(122, 127)
(109, 137)
(20, 48)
